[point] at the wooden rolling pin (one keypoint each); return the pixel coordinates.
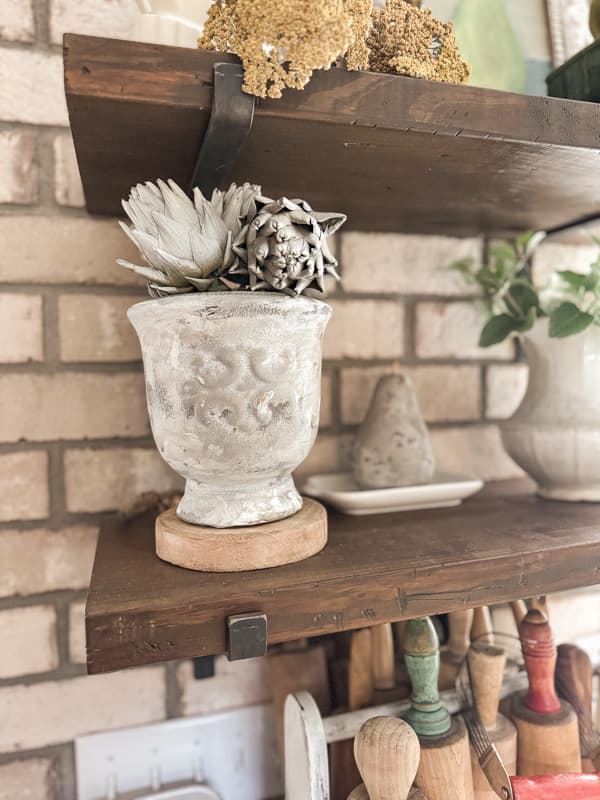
(387, 753)
(486, 666)
(548, 735)
(384, 667)
(455, 651)
(482, 628)
(343, 769)
(573, 681)
(445, 767)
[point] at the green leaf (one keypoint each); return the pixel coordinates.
(522, 296)
(529, 320)
(497, 329)
(577, 280)
(568, 320)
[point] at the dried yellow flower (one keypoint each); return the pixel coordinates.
(407, 40)
(359, 11)
(280, 42)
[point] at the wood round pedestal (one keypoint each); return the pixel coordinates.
(237, 549)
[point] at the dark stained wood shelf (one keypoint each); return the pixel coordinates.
(395, 154)
(502, 545)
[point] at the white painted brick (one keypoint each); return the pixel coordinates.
(473, 451)
(68, 190)
(74, 405)
(32, 87)
(445, 393)
(30, 779)
(382, 262)
(111, 18)
(452, 330)
(104, 480)
(24, 482)
(551, 257)
(42, 560)
(506, 385)
(77, 652)
(365, 329)
(329, 454)
(64, 249)
(54, 712)
(16, 20)
(235, 684)
(21, 328)
(29, 636)
(18, 168)
(96, 328)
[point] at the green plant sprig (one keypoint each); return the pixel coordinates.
(514, 304)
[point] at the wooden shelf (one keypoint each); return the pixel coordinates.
(395, 154)
(502, 545)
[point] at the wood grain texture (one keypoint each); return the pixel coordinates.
(501, 545)
(394, 153)
(486, 665)
(387, 752)
(445, 767)
(273, 544)
(547, 744)
(455, 651)
(384, 667)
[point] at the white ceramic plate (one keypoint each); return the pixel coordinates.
(340, 490)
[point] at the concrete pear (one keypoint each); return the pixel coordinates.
(392, 447)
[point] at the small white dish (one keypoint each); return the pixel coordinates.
(340, 490)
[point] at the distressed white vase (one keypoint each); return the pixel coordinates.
(555, 433)
(233, 383)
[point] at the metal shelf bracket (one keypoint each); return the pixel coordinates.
(228, 128)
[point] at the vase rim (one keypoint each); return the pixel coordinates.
(228, 299)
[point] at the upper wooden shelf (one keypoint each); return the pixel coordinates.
(395, 154)
(502, 545)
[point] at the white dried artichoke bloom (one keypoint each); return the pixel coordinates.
(285, 246)
(187, 245)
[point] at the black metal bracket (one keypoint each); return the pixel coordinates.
(571, 226)
(247, 636)
(228, 128)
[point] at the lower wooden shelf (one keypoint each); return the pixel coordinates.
(502, 545)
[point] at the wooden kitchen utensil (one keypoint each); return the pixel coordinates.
(548, 734)
(519, 609)
(343, 770)
(445, 766)
(384, 668)
(486, 668)
(573, 681)
(453, 654)
(387, 753)
(482, 628)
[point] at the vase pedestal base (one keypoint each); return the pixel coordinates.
(273, 544)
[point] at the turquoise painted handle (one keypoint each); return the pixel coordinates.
(427, 715)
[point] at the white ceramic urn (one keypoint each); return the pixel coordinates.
(555, 433)
(233, 384)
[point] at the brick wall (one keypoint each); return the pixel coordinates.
(74, 437)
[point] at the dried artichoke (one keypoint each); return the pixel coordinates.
(187, 245)
(285, 247)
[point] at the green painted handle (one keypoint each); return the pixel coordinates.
(427, 715)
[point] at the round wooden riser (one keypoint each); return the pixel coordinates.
(237, 549)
